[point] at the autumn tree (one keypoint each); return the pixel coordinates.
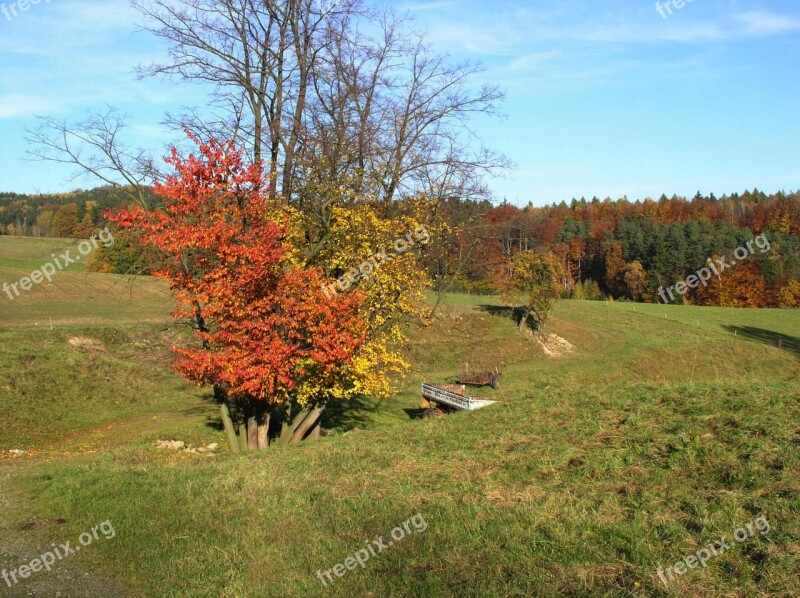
(340, 117)
(577, 252)
(534, 282)
(86, 226)
(615, 269)
(65, 221)
(789, 295)
(44, 223)
(636, 280)
(128, 255)
(268, 334)
(740, 286)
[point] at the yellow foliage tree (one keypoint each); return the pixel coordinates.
(636, 280)
(534, 281)
(379, 249)
(789, 295)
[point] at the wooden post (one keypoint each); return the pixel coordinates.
(426, 404)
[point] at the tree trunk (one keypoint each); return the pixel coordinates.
(243, 436)
(307, 424)
(289, 428)
(228, 424)
(263, 430)
(524, 320)
(286, 426)
(316, 431)
(220, 395)
(252, 433)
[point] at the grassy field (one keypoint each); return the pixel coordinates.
(74, 297)
(25, 253)
(663, 429)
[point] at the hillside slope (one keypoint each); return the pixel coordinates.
(664, 429)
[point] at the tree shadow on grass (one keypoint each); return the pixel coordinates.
(213, 420)
(767, 337)
(338, 415)
(353, 413)
(414, 413)
(515, 314)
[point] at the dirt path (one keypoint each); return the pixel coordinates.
(24, 538)
(21, 543)
(117, 434)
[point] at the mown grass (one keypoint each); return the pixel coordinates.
(62, 383)
(78, 298)
(27, 254)
(550, 495)
(655, 436)
(593, 470)
(82, 351)
(73, 296)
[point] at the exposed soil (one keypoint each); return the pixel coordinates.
(553, 345)
(24, 537)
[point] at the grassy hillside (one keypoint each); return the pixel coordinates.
(73, 296)
(664, 429)
(26, 253)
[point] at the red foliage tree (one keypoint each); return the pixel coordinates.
(264, 324)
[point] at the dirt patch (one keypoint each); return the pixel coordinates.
(22, 540)
(553, 345)
(87, 345)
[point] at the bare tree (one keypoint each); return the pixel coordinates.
(305, 88)
(388, 119)
(257, 55)
(323, 104)
(94, 147)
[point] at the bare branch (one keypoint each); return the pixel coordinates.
(94, 147)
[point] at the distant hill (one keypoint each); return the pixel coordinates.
(71, 214)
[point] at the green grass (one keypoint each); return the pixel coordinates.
(655, 436)
(57, 385)
(28, 254)
(74, 297)
(551, 495)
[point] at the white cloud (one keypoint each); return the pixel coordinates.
(765, 23)
(423, 6)
(531, 62)
(474, 38)
(17, 105)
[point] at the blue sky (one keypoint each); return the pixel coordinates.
(604, 97)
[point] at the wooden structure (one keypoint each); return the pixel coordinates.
(451, 397)
(481, 378)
